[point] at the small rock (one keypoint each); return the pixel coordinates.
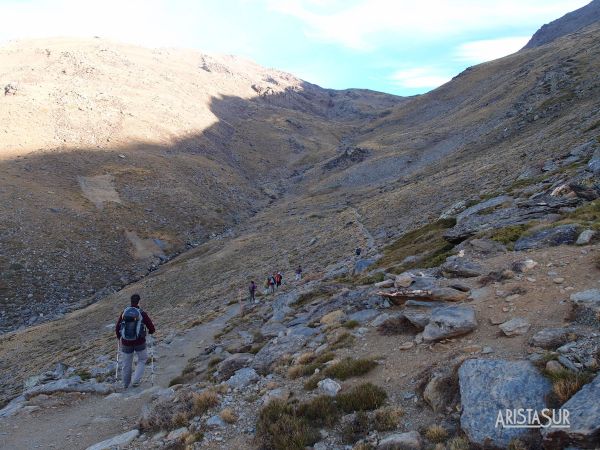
(585, 237)
(515, 327)
(406, 345)
(329, 387)
(215, 422)
(448, 322)
(558, 280)
(487, 350)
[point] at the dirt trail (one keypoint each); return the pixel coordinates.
(76, 421)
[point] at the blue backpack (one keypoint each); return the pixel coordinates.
(132, 324)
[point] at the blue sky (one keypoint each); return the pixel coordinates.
(403, 47)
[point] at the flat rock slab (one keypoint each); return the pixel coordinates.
(461, 268)
(488, 387)
(116, 441)
(515, 327)
(449, 322)
(73, 384)
(584, 418)
(402, 441)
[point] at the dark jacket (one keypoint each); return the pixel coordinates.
(137, 342)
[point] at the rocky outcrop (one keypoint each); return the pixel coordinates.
(551, 338)
(490, 387)
(551, 237)
(449, 322)
(230, 365)
(72, 384)
(584, 419)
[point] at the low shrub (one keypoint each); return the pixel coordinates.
(458, 443)
(355, 428)
(349, 367)
(566, 383)
(364, 397)
(387, 419)
(351, 324)
(203, 401)
(280, 428)
(228, 415)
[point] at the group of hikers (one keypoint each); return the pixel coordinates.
(272, 283)
(134, 323)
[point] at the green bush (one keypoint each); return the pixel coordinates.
(364, 397)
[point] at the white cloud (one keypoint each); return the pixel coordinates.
(419, 78)
(358, 25)
(486, 50)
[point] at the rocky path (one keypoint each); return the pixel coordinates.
(93, 418)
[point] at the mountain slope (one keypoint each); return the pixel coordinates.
(569, 23)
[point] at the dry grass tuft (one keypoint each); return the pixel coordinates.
(341, 341)
(387, 419)
(348, 368)
(203, 401)
(228, 415)
(567, 383)
(279, 427)
(436, 434)
(364, 397)
(458, 443)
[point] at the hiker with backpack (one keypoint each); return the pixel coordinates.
(299, 273)
(278, 279)
(252, 289)
(131, 332)
(272, 284)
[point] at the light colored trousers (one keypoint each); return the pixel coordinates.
(142, 357)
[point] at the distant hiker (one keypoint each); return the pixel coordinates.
(299, 273)
(252, 289)
(131, 331)
(278, 279)
(267, 285)
(272, 284)
(358, 251)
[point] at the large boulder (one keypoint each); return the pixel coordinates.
(584, 419)
(551, 237)
(362, 265)
(489, 388)
(449, 321)
(461, 268)
(243, 378)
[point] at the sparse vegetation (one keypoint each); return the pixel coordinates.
(427, 240)
(320, 411)
(279, 427)
(436, 434)
(341, 341)
(311, 363)
(509, 235)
